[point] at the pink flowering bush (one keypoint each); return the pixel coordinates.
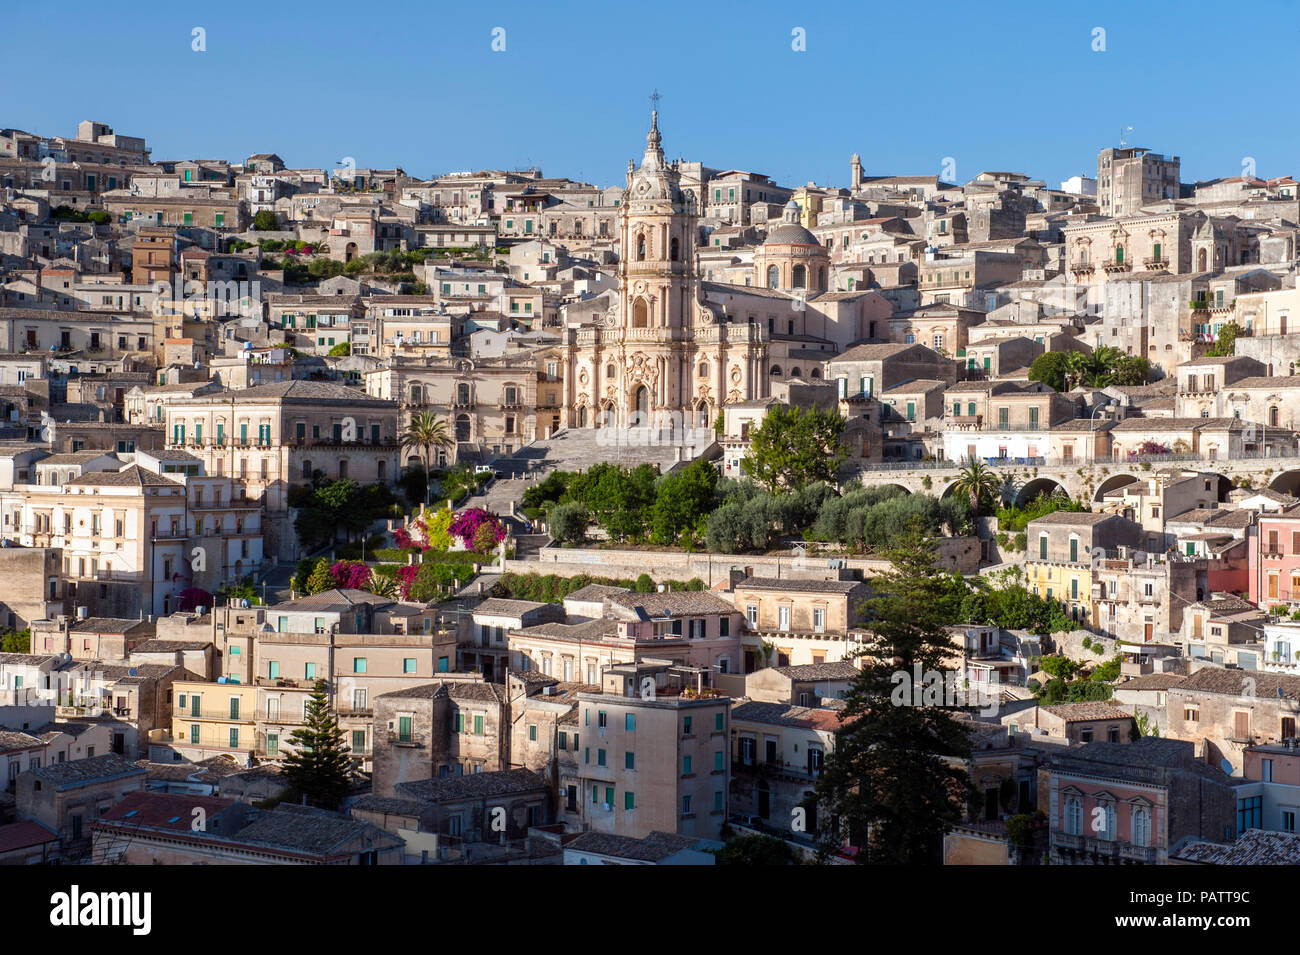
(192, 597)
(350, 575)
(403, 539)
(477, 529)
(406, 577)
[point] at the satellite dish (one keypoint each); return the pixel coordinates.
(1226, 766)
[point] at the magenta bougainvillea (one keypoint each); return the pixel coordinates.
(350, 575)
(192, 597)
(405, 577)
(402, 539)
(478, 529)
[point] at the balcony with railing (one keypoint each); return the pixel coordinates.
(1111, 849)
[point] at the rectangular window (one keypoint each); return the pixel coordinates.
(408, 665)
(234, 737)
(532, 732)
(600, 757)
(629, 722)
(629, 801)
(358, 664)
(478, 724)
(686, 766)
(404, 729)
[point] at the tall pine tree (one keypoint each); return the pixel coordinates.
(320, 767)
(896, 780)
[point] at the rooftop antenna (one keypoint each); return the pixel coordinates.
(1126, 129)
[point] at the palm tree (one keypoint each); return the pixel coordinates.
(426, 432)
(1080, 367)
(978, 482)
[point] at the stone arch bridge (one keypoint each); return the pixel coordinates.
(1088, 480)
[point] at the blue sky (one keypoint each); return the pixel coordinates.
(1007, 86)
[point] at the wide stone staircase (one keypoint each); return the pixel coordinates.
(577, 449)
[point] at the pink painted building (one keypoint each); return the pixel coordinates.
(1275, 558)
(1131, 803)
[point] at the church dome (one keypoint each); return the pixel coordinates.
(789, 231)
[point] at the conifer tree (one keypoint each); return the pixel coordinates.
(320, 767)
(897, 779)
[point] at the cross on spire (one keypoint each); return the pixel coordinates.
(654, 100)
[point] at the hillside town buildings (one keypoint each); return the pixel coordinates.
(182, 386)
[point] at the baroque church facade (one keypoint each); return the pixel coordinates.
(661, 356)
(672, 350)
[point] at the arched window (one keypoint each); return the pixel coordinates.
(415, 394)
(773, 276)
(610, 371)
(1200, 261)
(1073, 816)
(640, 248)
(799, 277)
(815, 373)
(776, 371)
(794, 372)
(582, 417)
(702, 418)
(462, 427)
(640, 314)
(462, 393)
(1272, 417)
(672, 249)
(1141, 828)
(1107, 819)
(704, 369)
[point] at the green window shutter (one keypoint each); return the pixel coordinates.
(629, 722)
(532, 734)
(595, 794)
(234, 737)
(404, 729)
(478, 725)
(600, 757)
(629, 760)
(717, 722)
(717, 761)
(609, 795)
(194, 732)
(629, 801)
(460, 722)
(686, 765)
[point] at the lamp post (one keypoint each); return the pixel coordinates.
(1111, 405)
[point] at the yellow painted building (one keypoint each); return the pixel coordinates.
(209, 719)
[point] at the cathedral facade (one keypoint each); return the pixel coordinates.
(663, 355)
